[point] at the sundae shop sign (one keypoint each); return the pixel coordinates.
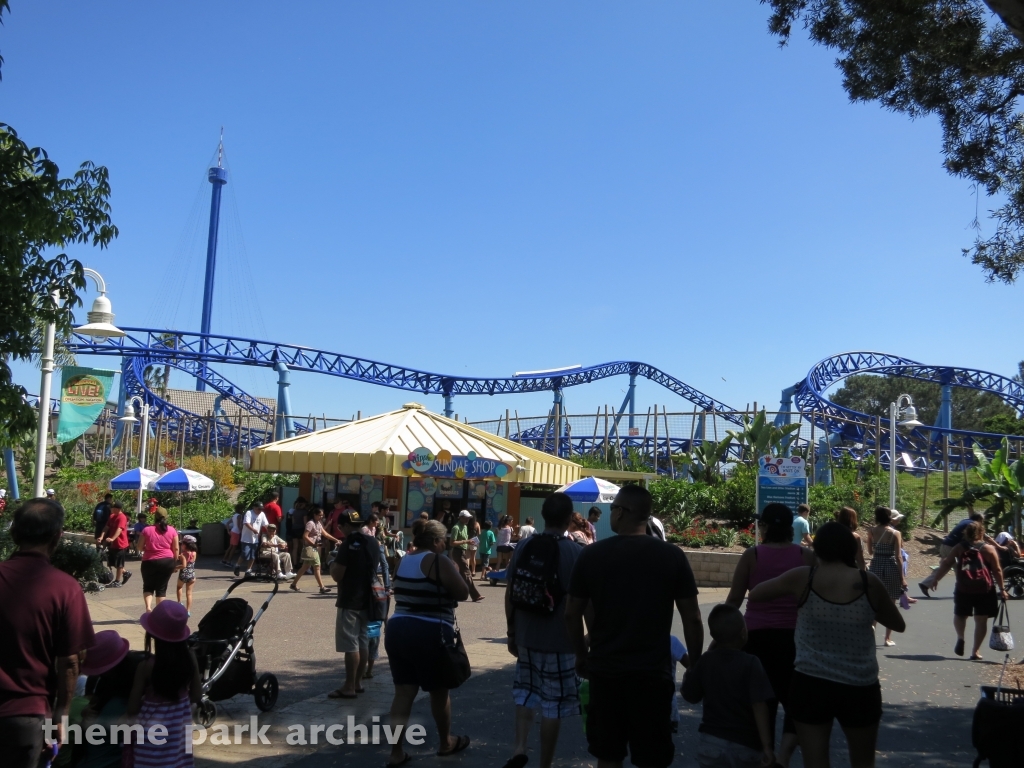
(469, 467)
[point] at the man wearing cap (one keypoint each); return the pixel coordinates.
(460, 546)
(253, 524)
(51, 494)
(45, 630)
(353, 569)
(116, 536)
(276, 549)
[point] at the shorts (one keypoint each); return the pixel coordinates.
(115, 558)
(505, 548)
(311, 555)
(350, 631)
(816, 701)
(716, 752)
(776, 649)
(234, 539)
(546, 681)
(985, 604)
(414, 651)
(100, 530)
(155, 575)
(631, 710)
(250, 551)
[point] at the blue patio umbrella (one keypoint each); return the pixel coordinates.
(591, 490)
(137, 479)
(183, 480)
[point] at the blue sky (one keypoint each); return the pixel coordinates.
(483, 188)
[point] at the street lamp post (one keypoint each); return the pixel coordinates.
(908, 412)
(101, 324)
(128, 420)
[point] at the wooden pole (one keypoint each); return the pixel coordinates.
(878, 442)
(668, 445)
(811, 451)
(519, 428)
(506, 424)
(654, 451)
(605, 458)
(945, 476)
(924, 501)
(558, 426)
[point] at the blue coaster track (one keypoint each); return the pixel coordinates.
(845, 427)
(194, 352)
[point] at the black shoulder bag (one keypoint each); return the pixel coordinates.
(453, 660)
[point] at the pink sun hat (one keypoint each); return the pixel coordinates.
(107, 652)
(167, 622)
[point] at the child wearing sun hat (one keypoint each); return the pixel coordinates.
(166, 684)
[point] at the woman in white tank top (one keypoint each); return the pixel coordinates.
(836, 669)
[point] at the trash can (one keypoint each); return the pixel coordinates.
(214, 540)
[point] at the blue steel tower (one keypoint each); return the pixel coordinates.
(218, 177)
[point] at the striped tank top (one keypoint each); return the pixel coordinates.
(419, 596)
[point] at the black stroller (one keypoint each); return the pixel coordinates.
(223, 647)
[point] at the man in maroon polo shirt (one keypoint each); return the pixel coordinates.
(44, 631)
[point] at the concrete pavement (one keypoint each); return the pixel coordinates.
(929, 693)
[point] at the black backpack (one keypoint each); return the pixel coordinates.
(536, 586)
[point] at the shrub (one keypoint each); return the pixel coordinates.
(746, 536)
(700, 535)
(79, 560)
(739, 496)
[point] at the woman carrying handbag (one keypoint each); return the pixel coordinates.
(423, 642)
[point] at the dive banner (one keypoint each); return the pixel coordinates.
(83, 393)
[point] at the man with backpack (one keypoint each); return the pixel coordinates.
(545, 677)
(631, 582)
(354, 570)
(977, 574)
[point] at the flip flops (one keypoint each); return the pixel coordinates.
(340, 694)
(461, 742)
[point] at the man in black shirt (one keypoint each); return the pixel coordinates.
(631, 582)
(353, 569)
(100, 516)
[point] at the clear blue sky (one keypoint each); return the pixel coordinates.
(480, 188)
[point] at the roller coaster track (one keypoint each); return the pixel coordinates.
(193, 352)
(853, 427)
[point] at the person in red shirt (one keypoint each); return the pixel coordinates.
(45, 630)
(116, 537)
(272, 510)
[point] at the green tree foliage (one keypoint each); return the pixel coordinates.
(872, 395)
(760, 437)
(952, 59)
(1002, 487)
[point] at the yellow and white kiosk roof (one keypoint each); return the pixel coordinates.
(384, 445)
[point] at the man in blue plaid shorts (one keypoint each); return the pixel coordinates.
(545, 676)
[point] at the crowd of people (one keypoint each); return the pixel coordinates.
(590, 631)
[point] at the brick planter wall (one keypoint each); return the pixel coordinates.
(713, 569)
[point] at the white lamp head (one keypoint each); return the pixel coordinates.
(128, 418)
(101, 320)
(910, 418)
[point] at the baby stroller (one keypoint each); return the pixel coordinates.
(223, 646)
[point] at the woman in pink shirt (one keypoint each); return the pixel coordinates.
(771, 625)
(159, 546)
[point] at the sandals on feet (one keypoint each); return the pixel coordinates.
(461, 742)
(340, 694)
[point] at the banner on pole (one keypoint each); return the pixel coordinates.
(83, 393)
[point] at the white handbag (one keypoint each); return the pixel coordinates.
(1001, 639)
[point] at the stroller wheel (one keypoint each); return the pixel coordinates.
(206, 713)
(265, 692)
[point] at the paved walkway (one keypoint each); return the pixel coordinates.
(929, 693)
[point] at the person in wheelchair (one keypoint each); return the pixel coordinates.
(1007, 549)
(274, 550)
